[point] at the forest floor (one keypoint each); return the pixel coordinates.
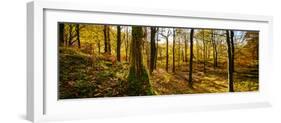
(212, 81)
(80, 77)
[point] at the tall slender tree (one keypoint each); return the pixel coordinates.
(157, 46)
(191, 59)
(166, 33)
(215, 51)
(105, 38)
(70, 35)
(77, 28)
(174, 40)
(230, 62)
(127, 43)
(118, 45)
(204, 51)
(185, 48)
(232, 48)
(152, 49)
(108, 40)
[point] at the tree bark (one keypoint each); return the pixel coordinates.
(229, 61)
(204, 52)
(118, 43)
(108, 40)
(232, 48)
(185, 49)
(152, 49)
(138, 81)
(127, 44)
(215, 52)
(61, 34)
(191, 59)
(167, 54)
(156, 54)
(70, 35)
(174, 40)
(78, 35)
(105, 38)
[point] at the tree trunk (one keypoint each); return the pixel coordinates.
(215, 54)
(127, 43)
(152, 49)
(118, 43)
(174, 39)
(105, 38)
(108, 40)
(232, 49)
(229, 62)
(167, 54)
(185, 49)
(78, 35)
(70, 35)
(179, 54)
(191, 59)
(138, 81)
(61, 34)
(156, 54)
(204, 52)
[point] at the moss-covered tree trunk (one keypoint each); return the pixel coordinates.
(138, 80)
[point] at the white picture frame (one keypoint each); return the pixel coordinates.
(42, 102)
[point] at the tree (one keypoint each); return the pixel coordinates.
(232, 48)
(77, 28)
(174, 39)
(127, 44)
(157, 46)
(185, 48)
(191, 58)
(70, 36)
(215, 51)
(105, 38)
(61, 34)
(108, 40)
(138, 78)
(204, 51)
(99, 46)
(152, 49)
(118, 43)
(230, 60)
(166, 33)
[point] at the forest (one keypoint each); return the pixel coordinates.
(103, 60)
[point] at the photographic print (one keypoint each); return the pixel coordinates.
(103, 60)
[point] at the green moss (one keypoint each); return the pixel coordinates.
(139, 86)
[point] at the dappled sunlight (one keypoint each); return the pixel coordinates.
(103, 60)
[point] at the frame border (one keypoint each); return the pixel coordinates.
(35, 39)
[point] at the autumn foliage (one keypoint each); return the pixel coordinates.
(116, 61)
